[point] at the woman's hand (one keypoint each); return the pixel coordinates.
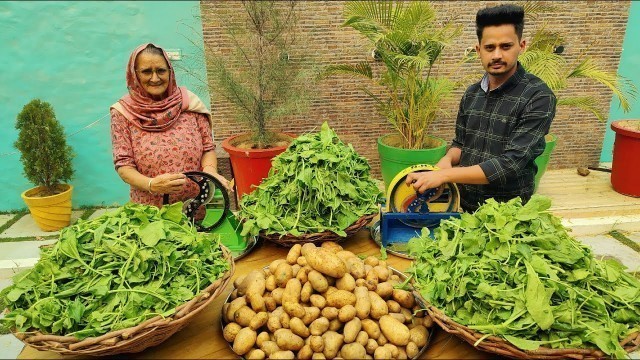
(227, 185)
(167, 183)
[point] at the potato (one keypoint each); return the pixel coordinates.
(311, 314)
(292, 291)
(330, 312)
(340, 298)
(427, 321)
(407, 315)
(318, 281)
(305, 353)
(230, 331)
(284, 319)
(233, 307)
(382, 353)
(262, 337)
(299, 328)
(335, 325)
(371, 260)
(319, 326)
(378, 306)
(371, 346)
(382, 340)
(295, 268)
(270, 283)
(419, 335)
(347, 282)
(353, 351)
(318, 356)
(382, 272)
(283, 273)
(351, 330)
(404, 298)
(244, 341)
(371, 327)
(269, 347)
(412, 350)
(331, 246)
(243, 316)
(303, 274)
(305, 293)
(253, 283)
(393, 350)
(293, 309)
(287, 340)
(277, 294)
(316, 343)
(318, 301)
(361, 282)
(356, 268)
(294, 254)
(371, 280)
(346, 313)
(395, 331)
(234, 294)
(393, 306)
(325, 262)
(332, 343)
(273, 323)
(283, 355)
(398, 316)
(274, 264)
(344, 255)
(255, 354)
(384, 289)
(302, 261)
(402, 354)
(270, 302)
(362, 338)
(259, 320)
(363, 303)
(256, 301)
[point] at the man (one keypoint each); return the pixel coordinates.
(501, 122)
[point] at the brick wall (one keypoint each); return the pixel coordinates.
(597, 26)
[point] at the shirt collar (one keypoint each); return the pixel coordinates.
(514, 79)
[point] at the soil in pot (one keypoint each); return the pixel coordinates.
(245, 142)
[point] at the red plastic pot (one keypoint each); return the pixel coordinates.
(249, 166)
(625, 169)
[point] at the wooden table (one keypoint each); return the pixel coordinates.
(202, 338)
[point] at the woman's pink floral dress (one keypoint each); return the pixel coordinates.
(176, 150)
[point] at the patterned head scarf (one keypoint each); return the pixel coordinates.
(144, 112)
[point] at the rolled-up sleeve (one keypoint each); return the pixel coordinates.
(121, 141)
(526, 142)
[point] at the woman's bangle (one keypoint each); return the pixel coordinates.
(149, 186)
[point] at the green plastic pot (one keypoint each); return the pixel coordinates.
(543, 160)
(394, 159)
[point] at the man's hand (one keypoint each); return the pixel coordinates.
(444, 163)
(422, 181)
(167, 183)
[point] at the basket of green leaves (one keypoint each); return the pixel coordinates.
(119, 283)
(510, 280)
(318, 190)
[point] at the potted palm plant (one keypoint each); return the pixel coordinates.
(409, 41)
(46, 159)
(262, 83)
(542, 57)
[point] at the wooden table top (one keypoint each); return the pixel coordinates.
(202, 338)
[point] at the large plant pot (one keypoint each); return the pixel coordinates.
(394, 159)
(625, 169)
(51, 213)
(249, 166)
(542, 161)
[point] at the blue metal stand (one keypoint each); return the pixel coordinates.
(393, 230)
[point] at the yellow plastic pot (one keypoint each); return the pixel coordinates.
(51, 213)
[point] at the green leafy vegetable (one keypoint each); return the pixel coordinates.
(317, 184)
(114, 272)
(512, 270)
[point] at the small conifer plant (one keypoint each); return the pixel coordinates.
(45, 155)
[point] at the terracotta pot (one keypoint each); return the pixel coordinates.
(625, 168)
(51, 213)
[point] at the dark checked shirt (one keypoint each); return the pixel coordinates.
(503, 131)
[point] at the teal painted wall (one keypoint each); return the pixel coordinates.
(73, 55)
(629, 65)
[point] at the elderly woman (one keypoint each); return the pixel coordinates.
(159, 131)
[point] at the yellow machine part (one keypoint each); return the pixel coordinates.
(400, 195)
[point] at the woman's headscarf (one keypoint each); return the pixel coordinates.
(144, 112)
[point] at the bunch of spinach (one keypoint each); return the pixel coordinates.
(317, 184)
(514, 271)
(114, 272)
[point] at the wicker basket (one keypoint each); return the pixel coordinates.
(289, 240)
(497, 345)
(134, 339)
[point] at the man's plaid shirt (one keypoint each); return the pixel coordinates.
(503, 131)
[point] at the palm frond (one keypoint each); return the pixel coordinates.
(621, 87)
(545, 40)
(586, 103)
(371, 18)
(547, 66)
(361, 69)
(417, 19)
(534, 9)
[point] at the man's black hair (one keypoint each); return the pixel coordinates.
(500, 15)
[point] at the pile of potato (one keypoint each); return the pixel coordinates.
(324, 303)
